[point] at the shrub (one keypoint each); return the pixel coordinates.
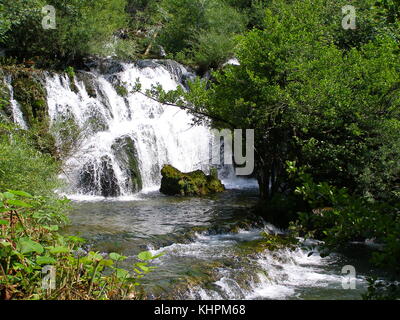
(29, 241)
(23, 167)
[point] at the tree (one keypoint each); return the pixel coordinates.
(82, 28)
(334, 110)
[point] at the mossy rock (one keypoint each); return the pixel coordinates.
(196, 183)
(127, 156)
(31, 94)
(5, 103)
(88, 81)
(269, 242)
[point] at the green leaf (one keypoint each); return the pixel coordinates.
(21, 193)
(158, 255)
(8, 195)
(51, 228)
(26, 245)
(94, 256)
(18, 203)
(59, 249)
(4, 222)
(45, 260)
(145, 255)
(144, 268)
(107, 262)
(121, 273)
(76, 239)
(116, 256)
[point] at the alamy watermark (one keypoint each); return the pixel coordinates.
(49, 277)
(349, 280)
(244, 163)
(349, 20)
(49, 20)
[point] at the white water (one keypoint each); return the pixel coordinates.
(162, 134)
(281, 274)
(18, 117)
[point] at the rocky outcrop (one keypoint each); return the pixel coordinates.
(5, 105)
(99, 177)
(127, 157)
(99, 180)
(196, 183)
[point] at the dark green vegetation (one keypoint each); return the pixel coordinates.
(194, 183)
(201, 33)
(328, 101)
(29, 238)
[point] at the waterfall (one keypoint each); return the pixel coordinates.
(17, 114)
(114, 141)
(122, 138)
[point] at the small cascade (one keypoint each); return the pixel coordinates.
(17, 114)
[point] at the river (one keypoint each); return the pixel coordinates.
(210, 248)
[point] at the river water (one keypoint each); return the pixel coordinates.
(210, 246)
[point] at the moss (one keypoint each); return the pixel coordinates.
(31, 95)
(70, 72)
(127, 156)
(269, 242)
(5, 104)
(68, 132)
(193, 183)
(121, 90)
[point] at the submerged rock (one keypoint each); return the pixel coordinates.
(196, 183)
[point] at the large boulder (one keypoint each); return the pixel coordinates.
(196, 183)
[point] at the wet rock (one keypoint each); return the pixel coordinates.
(127, 157)
(30, 92)
(271, 242)
(88, 80)
(96, 122)
(5, 104)
(194, 183)
(105, 65)
(99, 178)
(31, 95)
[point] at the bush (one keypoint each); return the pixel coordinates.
(22, 167)
(29, 241)
(82, 28)
(201, 33)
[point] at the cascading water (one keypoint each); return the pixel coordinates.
(126, 137)
(17, 115)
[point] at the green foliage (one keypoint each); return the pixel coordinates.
(22, 166)
(82, 27)
(200, 32)
(27, 244)
(310, 101)
(325, 98)
(338, 217)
